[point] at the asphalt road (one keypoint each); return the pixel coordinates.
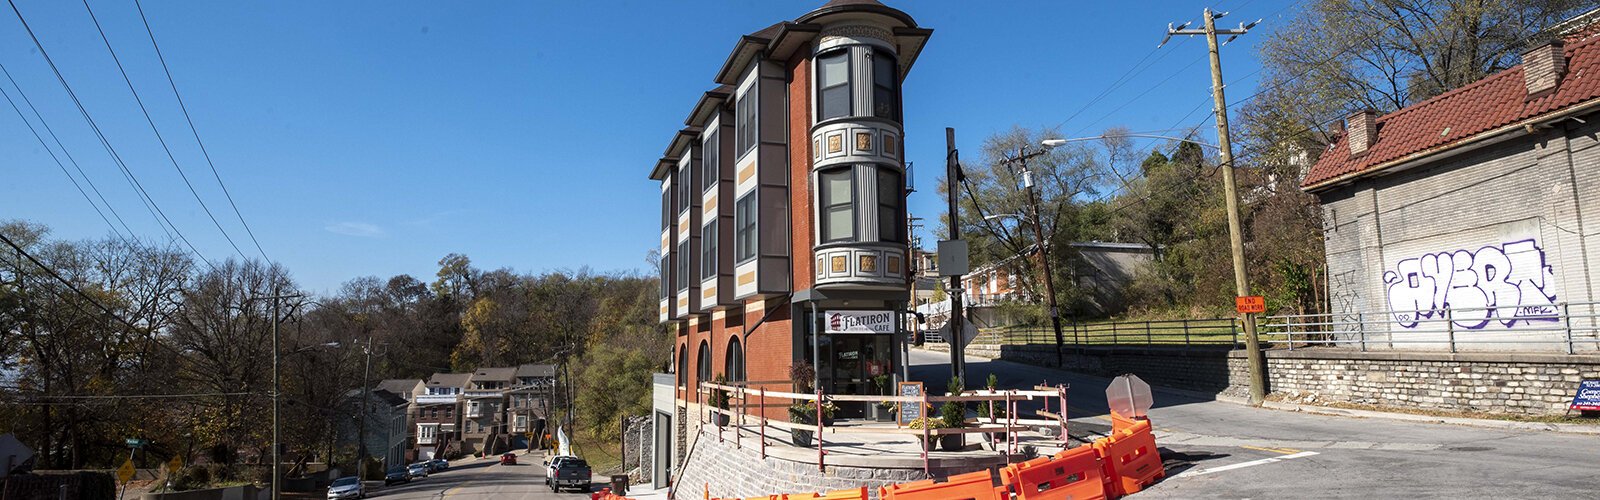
(481, 479)
(1216, 449)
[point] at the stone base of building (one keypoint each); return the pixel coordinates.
(1514, 383)
(729, 470)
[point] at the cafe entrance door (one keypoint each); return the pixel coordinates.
(855, 364)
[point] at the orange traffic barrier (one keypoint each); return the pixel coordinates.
(850, 494)
(1073, 474)
(1120, 423)
(970, 486)
(1131, 461)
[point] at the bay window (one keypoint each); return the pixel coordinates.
(837, 187)
(889, 206)
(744, 222)
(744, 124)
(685, 187)
(885, 86)
(708, 250)
(683, 265)
(710, 171)
(833, 84)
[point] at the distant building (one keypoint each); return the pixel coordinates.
(384, 431)
(1483, 201)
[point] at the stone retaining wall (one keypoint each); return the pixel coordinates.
(731, 471)
(1507, 383)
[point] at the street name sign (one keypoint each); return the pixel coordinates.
(1252, 304)
(1588, 398)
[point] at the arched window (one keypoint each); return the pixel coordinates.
(704, 363)
(734, 363)
(683, 365)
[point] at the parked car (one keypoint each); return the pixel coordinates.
(347, 487)
(571, 473)
(417, 470)
(508, 459)
(438, 465)
(397, 474)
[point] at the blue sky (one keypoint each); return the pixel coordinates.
(373, 138)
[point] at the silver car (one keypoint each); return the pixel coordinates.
(417, 470)
(347, 487)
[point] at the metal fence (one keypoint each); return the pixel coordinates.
(1566, 326)
(1570, 327)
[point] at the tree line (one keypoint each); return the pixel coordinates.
(148, 342)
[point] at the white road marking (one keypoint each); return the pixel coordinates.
(1251, 463)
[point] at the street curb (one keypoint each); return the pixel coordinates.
(1428, 419)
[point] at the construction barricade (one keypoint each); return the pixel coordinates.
(970, 486)
(850, 494)
(1130, 459)
(1073, 474)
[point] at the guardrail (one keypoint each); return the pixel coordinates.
(741, 398)
(1204, 331)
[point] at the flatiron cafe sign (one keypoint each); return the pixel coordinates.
(868, 322)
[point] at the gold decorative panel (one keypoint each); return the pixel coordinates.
(863, 141)
(835, 143)
(840, 263)
(869, 263)
(890, 145)
(894, 264)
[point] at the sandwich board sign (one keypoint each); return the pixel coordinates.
(909, 411)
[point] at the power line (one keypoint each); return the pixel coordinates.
(157, 131)
(150, 203)
(64, 281)
(63, 167)
(203, 151)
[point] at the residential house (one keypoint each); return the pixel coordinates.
(529, 401)
(484, 424)
(407, 389)
(1471, 215)
(376, 427)
(437, 415)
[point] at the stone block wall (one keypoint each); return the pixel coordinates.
(1511, 383)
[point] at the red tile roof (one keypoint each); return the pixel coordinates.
(1458, 117)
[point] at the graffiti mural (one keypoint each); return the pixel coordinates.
(1495, 285)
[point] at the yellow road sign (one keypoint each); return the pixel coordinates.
(125, 473)
(174, 464)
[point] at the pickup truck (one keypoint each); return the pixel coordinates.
(570, 472)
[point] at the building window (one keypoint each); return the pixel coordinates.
(734, 363)
(685, 187)
(704, 363)
(708, 250)
(666, 207)
(744, 221)
(745, 122)
(710, 167)
(889, 202)
(683, 265)
(885, 86)
(666, 275)
(683, 365)
(833, 84)
(838, 210)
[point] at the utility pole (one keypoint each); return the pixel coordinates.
(361, 421)
(1230, 190)
(953, 177)
(277, 443)
(1044, 248)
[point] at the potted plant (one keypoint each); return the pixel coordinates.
(953, 415)
(802, 374)
(805, 412)
(999, 412)
(930, 423)
(719, 400)
(880, 411)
